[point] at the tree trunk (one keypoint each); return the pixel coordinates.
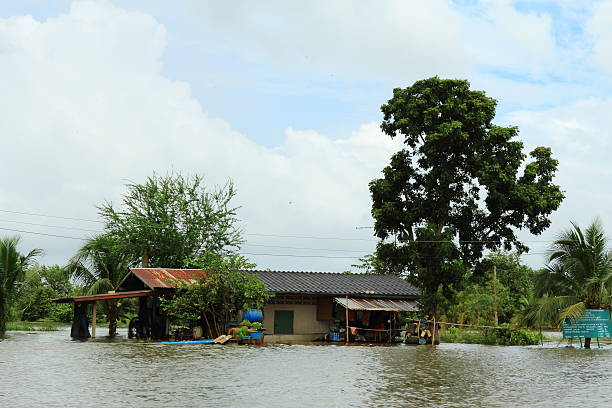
(112, 327)
(112, 315)
(587, 343)
(3, 313)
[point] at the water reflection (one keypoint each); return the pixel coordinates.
(48, 369)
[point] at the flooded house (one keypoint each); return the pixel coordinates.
(307, 306)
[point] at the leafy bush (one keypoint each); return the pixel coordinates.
(504, 336)
(245, 323)
(257, 326)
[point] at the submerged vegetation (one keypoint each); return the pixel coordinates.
(503, 337)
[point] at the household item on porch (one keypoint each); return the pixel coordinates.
(256, 334)
(252, 315)
(224, 338)
(334, 337)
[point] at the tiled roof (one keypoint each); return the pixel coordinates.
(338, 284)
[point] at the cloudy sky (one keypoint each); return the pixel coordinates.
(283, 98)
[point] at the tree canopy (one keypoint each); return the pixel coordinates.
(456, 189)
(170, 219)
(12, 271)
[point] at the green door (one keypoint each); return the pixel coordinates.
(283, 322)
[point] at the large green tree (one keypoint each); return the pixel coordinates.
(456, 189)
(169, 219)
(99, 266)
(12, 270)
(578, 275)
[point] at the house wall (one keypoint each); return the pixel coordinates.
(306, 327)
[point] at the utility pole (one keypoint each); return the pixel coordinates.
(495, 317)
(145, 259)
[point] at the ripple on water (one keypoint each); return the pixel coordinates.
(48, 369)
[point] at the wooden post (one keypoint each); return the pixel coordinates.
(347, 321)
(93, 320)
(495, 316)
(433, 332)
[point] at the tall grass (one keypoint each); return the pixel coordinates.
(34, 326)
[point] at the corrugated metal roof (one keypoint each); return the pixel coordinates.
(338, 284)
(105, 296)
(160, 278)
(379, 304)
(312, 283)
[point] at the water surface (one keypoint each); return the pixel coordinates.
(48, 369)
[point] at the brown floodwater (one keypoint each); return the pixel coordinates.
(47, 369)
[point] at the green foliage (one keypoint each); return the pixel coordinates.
(218, 296)
(173, 220)
(12, 271)
(242, 331)
(455, 189)
(245, 323)
(476, 304)
(33, 300)
(503, 336)
(257, 326)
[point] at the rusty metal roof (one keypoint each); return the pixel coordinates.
(104, 296)
(390, 305)
(160, 278)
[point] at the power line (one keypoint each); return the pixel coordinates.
(51, 216)
(304, 248)
(50, 226)
(244, 253)
(303, 256)
(248, 234)
(42, 233)
(312, 237)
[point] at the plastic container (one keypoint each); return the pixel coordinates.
(255, 334)
(252, 315)
(334, 337)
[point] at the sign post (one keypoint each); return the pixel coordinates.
(595, 323)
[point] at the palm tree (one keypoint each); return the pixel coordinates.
(12, 270)
(100, 266)
(578, 275)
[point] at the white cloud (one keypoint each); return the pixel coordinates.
(85, 109)
(580, 139)
(598, 26)
(402, 39)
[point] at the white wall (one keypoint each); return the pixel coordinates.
(304, 319)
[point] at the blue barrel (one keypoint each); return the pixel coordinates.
(252, 315)
(256, 334)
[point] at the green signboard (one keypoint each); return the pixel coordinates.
(594, 323)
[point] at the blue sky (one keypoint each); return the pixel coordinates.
(284, 98)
